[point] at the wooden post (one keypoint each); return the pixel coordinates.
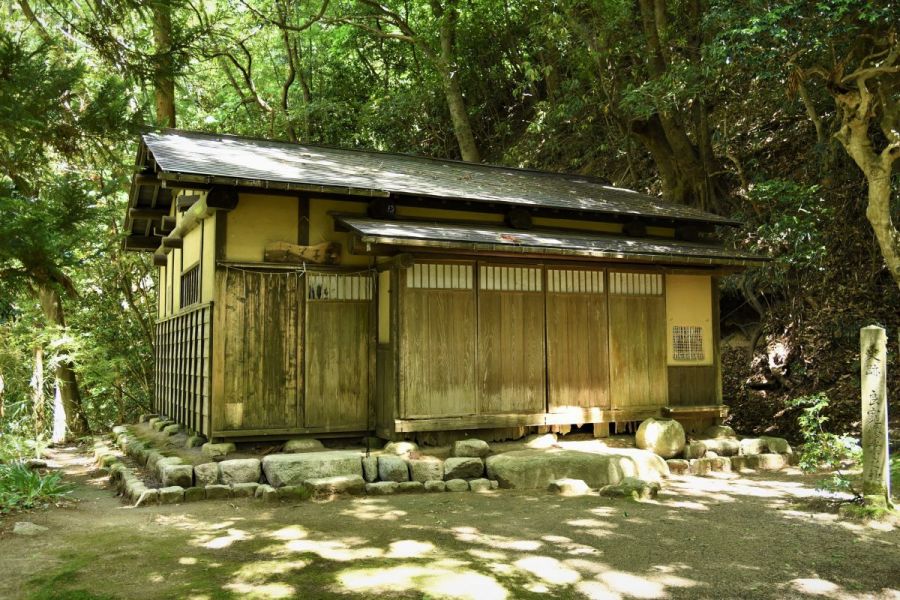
(873, 359)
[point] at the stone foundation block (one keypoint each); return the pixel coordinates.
(177, 475)
(294, 492)
(303, 445)
(694, 450)
(392, 468)
(471, 448)
(244, 490)
(370, 468)
(173, 494)
(457, 485)
(211, 450)
(463, 468)
(723, 446)
(401, 448)
(679, 466)
(434, 485)
(147, 497)
(194, 494)
(326, 487)
(480, 485)
(218, 492)
(570, 487)
(634, 488)
(382, 488)
(266, 493)
(293, 469)
(239, 470)
(410, 487)
(426, 468)
(206, 474)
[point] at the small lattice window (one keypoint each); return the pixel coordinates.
(635, 284)
(335, 286)
(439, 277)
(510, 279)
(571, 281)
(190, 286)
(687, 342)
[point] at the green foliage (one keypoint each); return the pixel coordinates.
(15, 448)
(822, 450)
(22, 488)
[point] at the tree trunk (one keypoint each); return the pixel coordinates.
(164, 69)
(76, 420)
(37, 391)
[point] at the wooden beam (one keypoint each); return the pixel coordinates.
(400, 261)
(146, 180)
(147, 213)
(575, 417)
(172, 242)
(167, 224)
(141, 242)
(160, 260)
(185, 202)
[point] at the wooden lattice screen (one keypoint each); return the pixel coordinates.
(190, 286)
(183, 344)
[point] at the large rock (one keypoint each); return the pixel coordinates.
(694, 450)
(723, 446)
(664, 437)
(327, 487)
(463, 468)
(426, 468)
(457, 485)
(678, 466)
(480, 485)
(206, 474)
(292, 469)
(244, 490)
(266, 492)
(164, 462)
(218, 492)
(382, 488)
(211, 450)
(752, 446)
(370, 468)
(177, 475)
(239, 470)
(401, 448)
(194, 494)
(435, 485)
(777, 445)
(303, 445)
(410, 487)
(470, 448)
(718, 432)
(171, 495)
(392, 468)
(535, 469)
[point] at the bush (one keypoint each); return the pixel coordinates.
(822, 450)
(22, 488)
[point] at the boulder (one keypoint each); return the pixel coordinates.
(433, 485)
(218, 492)
(664, 437)
(194, 494)
(370, 468)
(194, 441)
(239, 470)
(723, 446)
(303, 445)
(206, 474)
(177, 475)
(470, 448)
(327, 487)
(392, 468)
(164, 462)
(425, 468)
(410, 487)
(721, 464)
(632, 487)
(718, 432)
(739, 463)
(294, 492)
(266, 492)
(752, 446)
(401, 448)
(701, 466)
(480, 485)
(538, 441)
(767, 462)
(382, 488)
(463, 468)
(244, 490)
(535, 469)
(495, 485)
(27, 528)
(456, 485)
(694, 450)
(173, 494)
(569, 487)
(146, 497)
(678, 466)
(211, 450)
(153, 457)
(777, 445)
(292, 469)
(172, 429)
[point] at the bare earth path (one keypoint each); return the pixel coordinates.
(748, 537)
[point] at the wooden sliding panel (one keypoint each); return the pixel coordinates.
(637, 341)
(510, 340)
(261, 327)
(577, 340)
(437, 340)
(338, 308)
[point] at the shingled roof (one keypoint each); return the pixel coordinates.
(185, 157)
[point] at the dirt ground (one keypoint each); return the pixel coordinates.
(761, 536)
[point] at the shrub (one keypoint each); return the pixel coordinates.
(22, 488)
(822, 450)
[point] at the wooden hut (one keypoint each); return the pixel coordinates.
(316, 290)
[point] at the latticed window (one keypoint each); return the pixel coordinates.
(687, 342)
(635, 284)
(338, 286)
(190, 286)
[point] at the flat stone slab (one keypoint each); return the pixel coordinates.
(173, 494)
(382, 488)
(303, 445)
(211, 450)
(218, 492)
(244, 490)
(239, 470)
(470, 448)
(434, 485)
(293, 469)
(536, 469)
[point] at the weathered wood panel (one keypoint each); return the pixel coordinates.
(511, 365)
(577, 351)
(437, 352)
(693, 386)
(183, 354)
(261, 347)
(337, 364)
(637, 351)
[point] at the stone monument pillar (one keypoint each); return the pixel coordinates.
(873, 362)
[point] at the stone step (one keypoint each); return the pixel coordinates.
(294, 469)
